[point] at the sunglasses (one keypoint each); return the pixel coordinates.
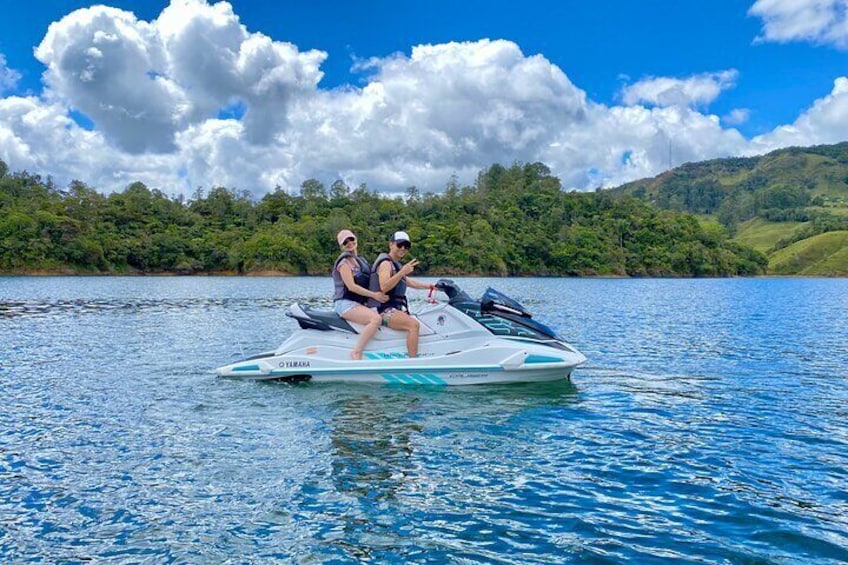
(403, 244)
(348, 240)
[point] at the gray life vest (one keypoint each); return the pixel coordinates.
(361, 276)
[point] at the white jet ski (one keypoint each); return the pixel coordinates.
(462, 342)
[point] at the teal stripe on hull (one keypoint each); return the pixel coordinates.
(541, 359)
(413, 379)
(381, 355)
(375, 370)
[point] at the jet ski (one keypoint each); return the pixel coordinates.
(462, 342)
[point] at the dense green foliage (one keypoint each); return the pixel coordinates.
(513, 221)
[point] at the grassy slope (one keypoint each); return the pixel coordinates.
(825, 254)
(762, 235)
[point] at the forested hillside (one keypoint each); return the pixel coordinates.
(771, 202)
(512, 221)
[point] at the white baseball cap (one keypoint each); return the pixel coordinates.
(400, 236)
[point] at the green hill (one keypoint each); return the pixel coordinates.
(740, 188)
(769, 203)
(821, 255)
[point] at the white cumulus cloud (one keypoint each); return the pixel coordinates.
(443, 109)
(817, 21)
(39, 136)
(216, 61)
(826, 121)
(737, 116)
(142, 82)
(8, 77)
(624, 143)
(696, 90)
(107, 64)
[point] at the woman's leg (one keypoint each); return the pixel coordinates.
(368, 318)
(403, 321)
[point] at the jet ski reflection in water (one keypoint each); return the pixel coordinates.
(462, 342)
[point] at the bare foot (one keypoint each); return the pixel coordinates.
(356, 354)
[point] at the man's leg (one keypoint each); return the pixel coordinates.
(403, 321)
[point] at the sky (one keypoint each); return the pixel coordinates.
(256, 95)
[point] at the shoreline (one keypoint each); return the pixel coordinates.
(273, 273)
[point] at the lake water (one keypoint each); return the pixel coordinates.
(710, 425)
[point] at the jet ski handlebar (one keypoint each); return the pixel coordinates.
(455, 294)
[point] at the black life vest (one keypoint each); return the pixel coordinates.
(397, 295)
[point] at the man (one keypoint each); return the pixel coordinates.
(389, 276)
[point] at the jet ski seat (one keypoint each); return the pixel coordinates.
(312, 319)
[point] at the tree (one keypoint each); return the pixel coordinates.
(313, 189)
(339, 191)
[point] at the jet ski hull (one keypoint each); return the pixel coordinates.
(413, 375)
(492, 363)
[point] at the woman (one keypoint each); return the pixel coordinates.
(351, 275)
(389, 276)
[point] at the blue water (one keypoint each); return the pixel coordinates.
(710, 425)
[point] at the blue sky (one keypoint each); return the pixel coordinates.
(350, 90)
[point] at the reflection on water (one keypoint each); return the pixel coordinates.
(709, 426)
(371, 439)
(391, 460)
(374, 432)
